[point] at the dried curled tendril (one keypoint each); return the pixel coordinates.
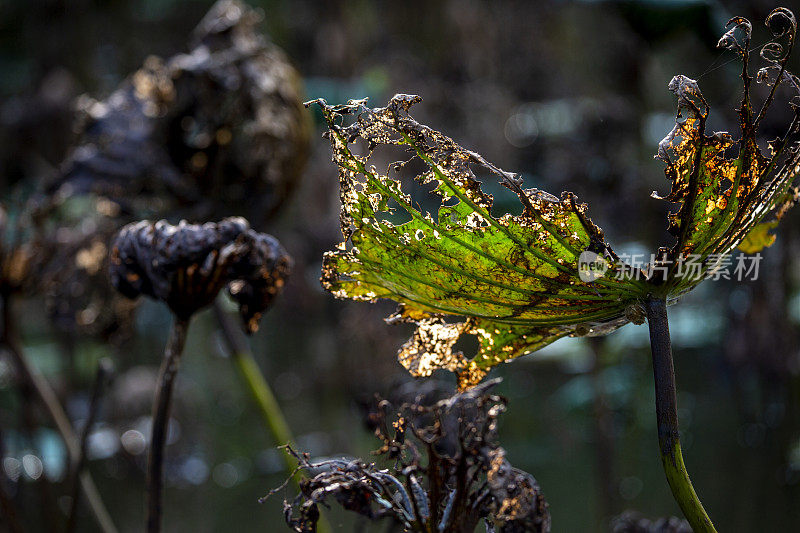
(187, 265)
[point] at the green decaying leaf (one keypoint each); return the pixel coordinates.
(758, 238)
(724, 200)
(514, 278)
(513, 281)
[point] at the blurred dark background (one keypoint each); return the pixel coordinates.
(573, 95)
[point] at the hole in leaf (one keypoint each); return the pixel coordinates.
(468, 345)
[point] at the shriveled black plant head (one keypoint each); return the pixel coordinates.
(187, 265)
(214, 132)
(163, 145)
(448, 472)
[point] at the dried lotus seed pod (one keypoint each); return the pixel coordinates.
(186, 266)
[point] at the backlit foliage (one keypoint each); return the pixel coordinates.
(513, 279)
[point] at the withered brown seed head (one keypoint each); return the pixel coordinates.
(447, 471)
(187, 265)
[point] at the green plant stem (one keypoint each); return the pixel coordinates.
(667, 418)
(161, 410)
(104, 369)
(260, 390)
(267, 404)
(262, 394)
(47, 397)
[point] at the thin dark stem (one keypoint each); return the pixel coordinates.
(161, 410)
(9, 515)
(47, 510)
(47, 397)
(667, 418)
(104, 369)
(7, 505)
(66, 341)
